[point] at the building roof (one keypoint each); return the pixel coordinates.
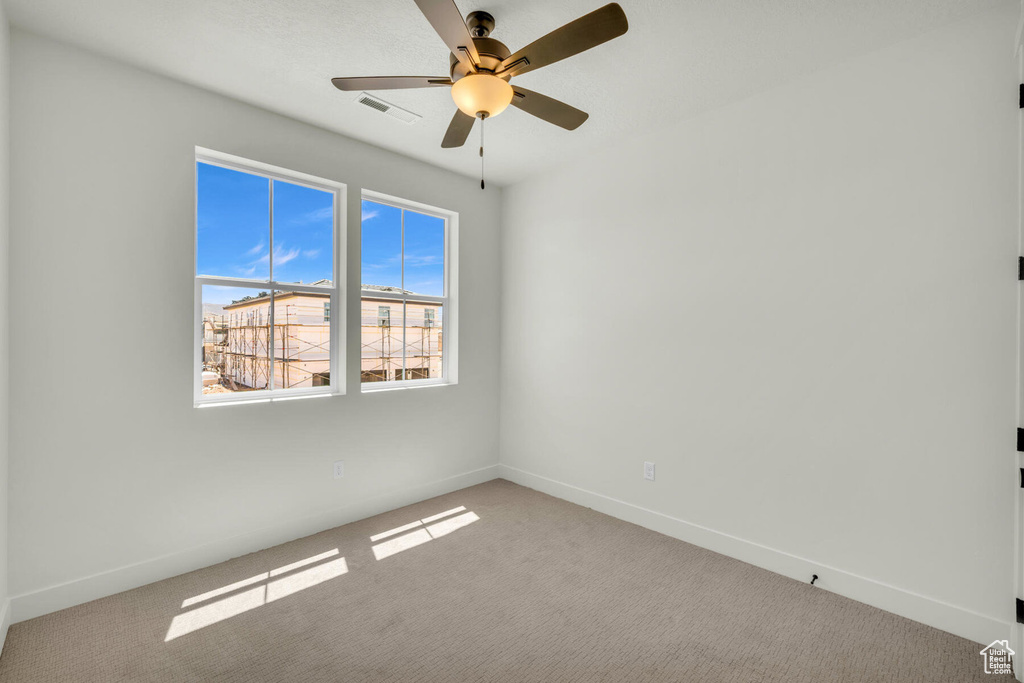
(385, 288)
(265, 296)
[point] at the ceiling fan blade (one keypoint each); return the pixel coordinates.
(588, 31)
(390, 82)
(447, 20)
(458, 130)
(548, 109)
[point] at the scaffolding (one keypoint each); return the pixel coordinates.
(243, 352)
(237, 346)
(303, 344)
(408, 348)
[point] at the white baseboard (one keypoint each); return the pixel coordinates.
(5, 622)
(61, 596)
(941, 615)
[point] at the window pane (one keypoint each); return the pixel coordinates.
(303, 234)
(236, 340)
(423, 340)
(382, 245)
(302, 340)
(232, 223)
(381, 347)
(424, 254)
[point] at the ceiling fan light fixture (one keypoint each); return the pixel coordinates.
(481, 93)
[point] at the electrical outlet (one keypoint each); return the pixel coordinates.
(649, 471)
(339, 469)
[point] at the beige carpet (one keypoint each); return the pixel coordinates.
(518, 586)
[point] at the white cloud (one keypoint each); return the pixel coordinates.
(311, 253)
(315, 216)
(422, 260)
(282, 257)
(256, 250)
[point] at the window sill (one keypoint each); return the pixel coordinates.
(266, 398)
(379, 387)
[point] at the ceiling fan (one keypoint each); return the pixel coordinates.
(481, 67)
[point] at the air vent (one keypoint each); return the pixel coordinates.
(391, 110)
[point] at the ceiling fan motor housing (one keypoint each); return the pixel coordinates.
(492, 53)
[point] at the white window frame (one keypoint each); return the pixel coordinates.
(449, 301)
(337, 299)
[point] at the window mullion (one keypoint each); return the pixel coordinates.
(270, 258)
(270, 342)
(405, 347)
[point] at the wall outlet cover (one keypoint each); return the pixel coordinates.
(339, 469)
(649, 471)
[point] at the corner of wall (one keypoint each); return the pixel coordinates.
(5, 612)
(5, 621)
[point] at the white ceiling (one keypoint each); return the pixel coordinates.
(679, 58)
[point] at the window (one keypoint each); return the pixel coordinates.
(408, 271)
(266, 274)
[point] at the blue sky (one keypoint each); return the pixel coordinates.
(382, 249)
(233, 222)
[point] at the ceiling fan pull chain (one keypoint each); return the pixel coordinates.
(482, 119)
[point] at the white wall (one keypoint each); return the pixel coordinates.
(118, 480)
(803, 308)
(4, 355)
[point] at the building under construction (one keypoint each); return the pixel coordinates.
(399, 340)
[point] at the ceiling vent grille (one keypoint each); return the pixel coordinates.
(403, 115)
